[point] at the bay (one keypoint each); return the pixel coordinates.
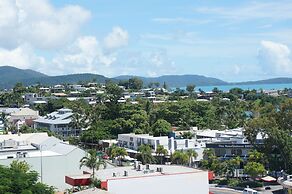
(226, 88)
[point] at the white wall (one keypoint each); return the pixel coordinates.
(55, 168)
(191, 183)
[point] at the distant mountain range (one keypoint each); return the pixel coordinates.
(179, 80)
(9, 76)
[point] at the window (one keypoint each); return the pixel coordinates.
(157, 142)
(236, 152)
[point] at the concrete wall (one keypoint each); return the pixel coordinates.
(55, 168)
(191, 183)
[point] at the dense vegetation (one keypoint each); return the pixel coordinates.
(18, 178)
(257, 112)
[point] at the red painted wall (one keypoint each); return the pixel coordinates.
(103, 185)
(77, 182)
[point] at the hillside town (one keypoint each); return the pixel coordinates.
(123, 138)
(145, 97)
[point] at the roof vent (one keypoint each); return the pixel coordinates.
(125, 173)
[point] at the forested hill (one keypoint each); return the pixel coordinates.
(280, 80)
(179, 80)
(9, 76)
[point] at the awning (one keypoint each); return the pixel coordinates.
(269, 179)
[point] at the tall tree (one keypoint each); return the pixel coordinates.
(254, 169)
(161, 128)
(191, 88)
(145, 154)
(192, 155)
(92, 161)
(161, 152)
(135, 83)
(119, 153)
(179, 157)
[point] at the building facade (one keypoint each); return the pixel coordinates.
(58, 122)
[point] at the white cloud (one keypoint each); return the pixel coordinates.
(21, 57)
(84, 55)
(277, 10)
(180, 20)
(236, 69)
(275, 58)
(38, 23)
(117, 38)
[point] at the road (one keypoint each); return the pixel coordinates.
(224, 191)
(217, 190)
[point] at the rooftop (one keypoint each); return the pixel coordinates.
(31, 143)
(62, 116)
(143, 136)
(25, 111)
(107, 174)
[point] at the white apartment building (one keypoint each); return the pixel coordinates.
(34, 98)
(58, 122)
(133, 141)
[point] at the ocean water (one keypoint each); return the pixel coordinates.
(244, 87)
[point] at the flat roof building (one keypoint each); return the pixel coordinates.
(154, 179)
(52, 158)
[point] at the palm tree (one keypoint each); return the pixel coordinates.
(118, 152)
(179, 157)
(145, 153)
(92, 161)
(161, 151)
(5, 121)
(192, 154)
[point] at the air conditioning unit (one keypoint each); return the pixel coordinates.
(159, 169)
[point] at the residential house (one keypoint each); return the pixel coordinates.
(58, 122)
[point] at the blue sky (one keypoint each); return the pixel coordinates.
(230, 40)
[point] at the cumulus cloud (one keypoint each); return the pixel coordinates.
(275, 58)
(84, 55)
(38, 23)
(117, 38)
(21, 57)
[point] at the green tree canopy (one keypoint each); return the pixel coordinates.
(92, 161)
(161, 128)
(254, 169)
(18, 178)
(145, 154)
(118, 152)
(161, 151)
(179, 157)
